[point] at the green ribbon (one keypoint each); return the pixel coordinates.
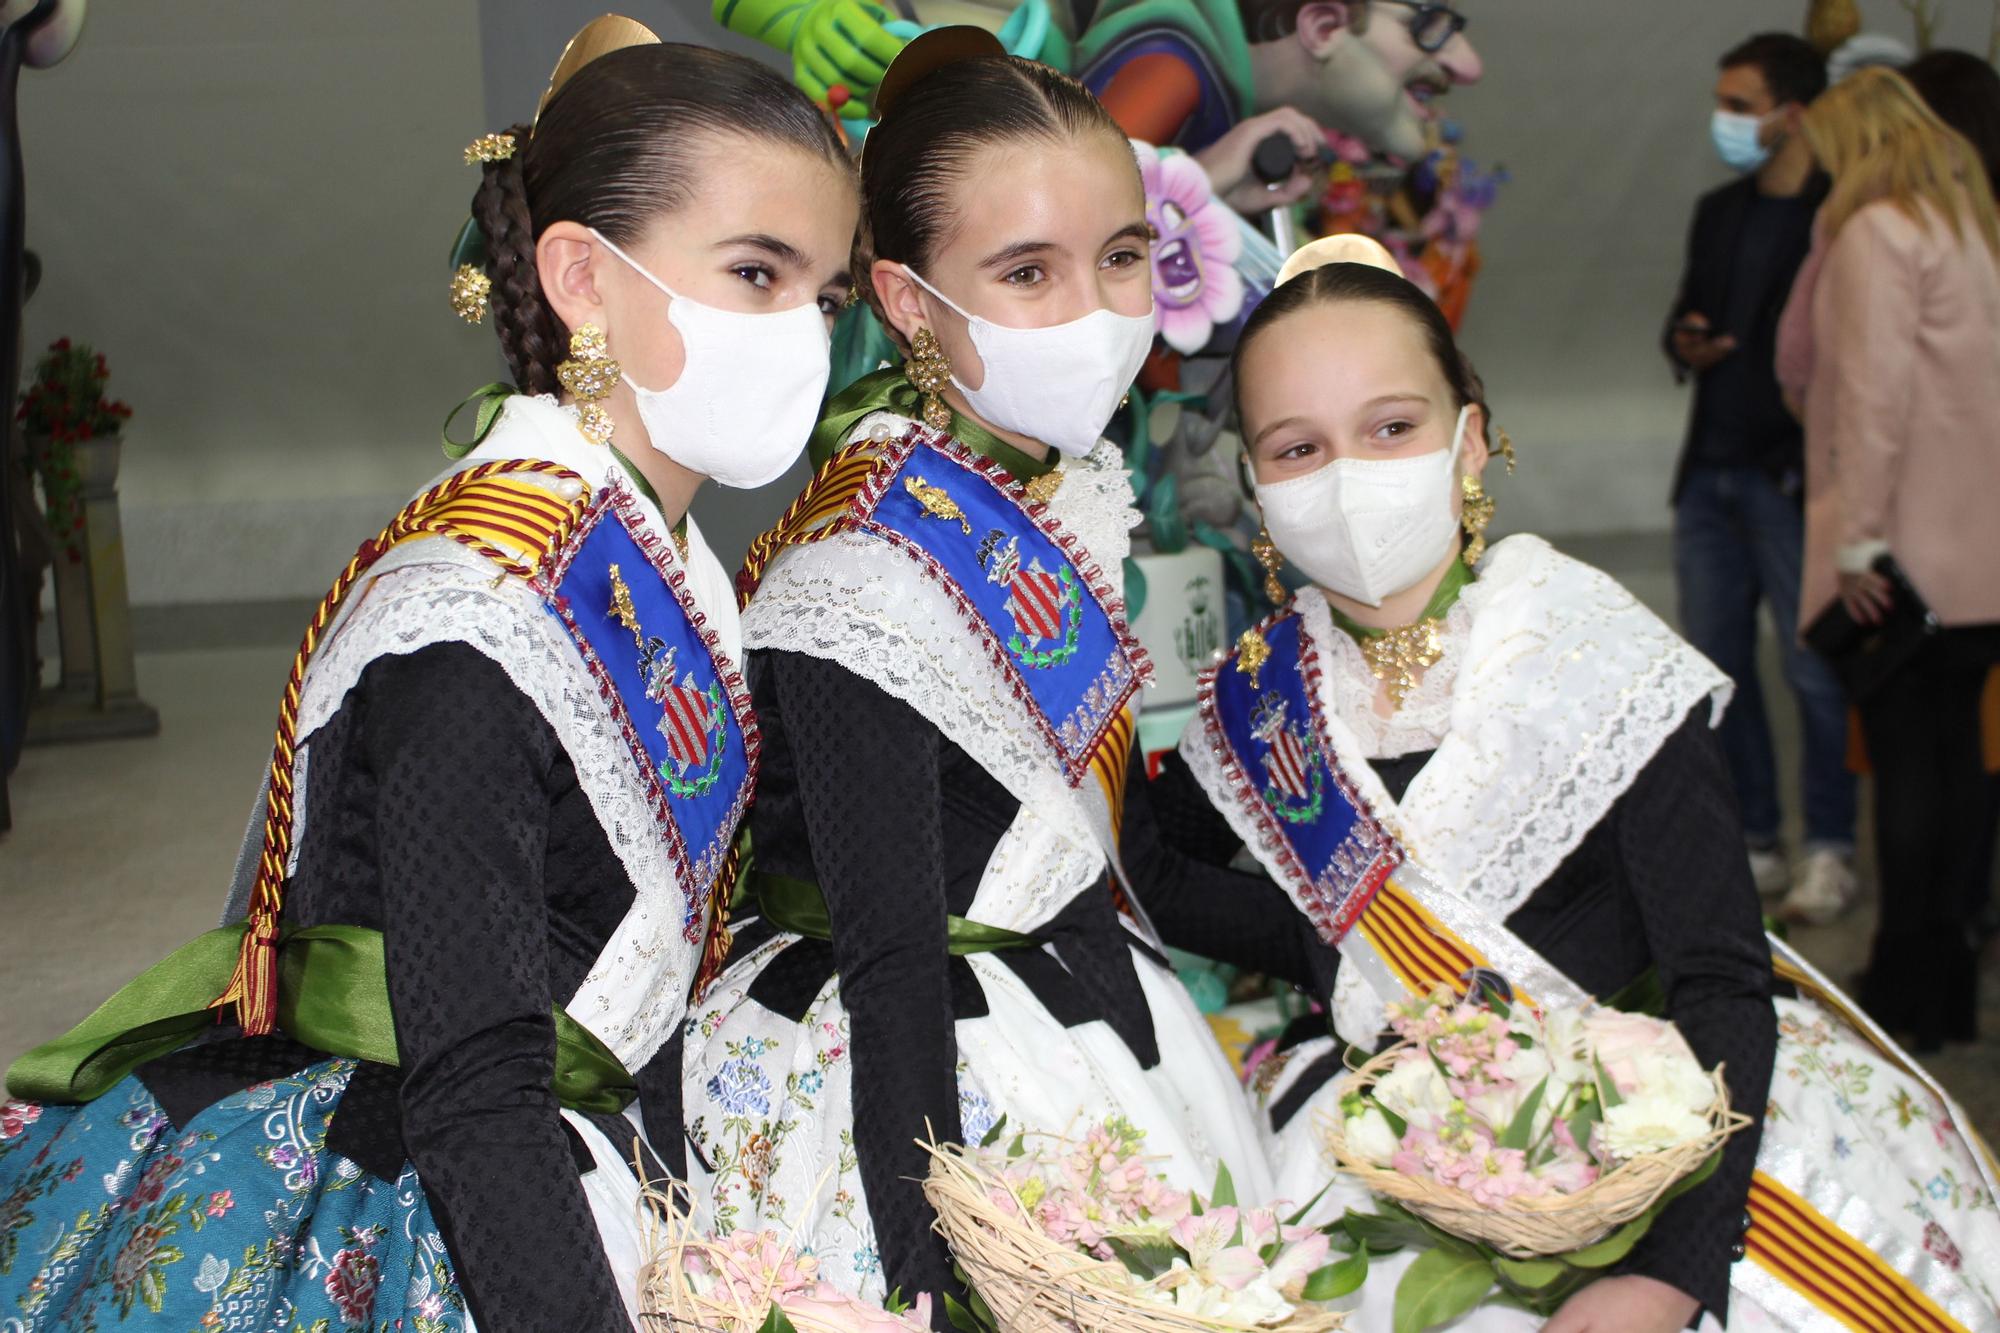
(492, 399)
(333, 995)
(890, 390)
(1457, 577)
(796, 906)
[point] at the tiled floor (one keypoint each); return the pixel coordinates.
(121, 850)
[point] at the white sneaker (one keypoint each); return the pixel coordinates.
(1768, 868)
(1826, 887)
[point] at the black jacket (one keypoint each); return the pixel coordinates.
(1713, 240)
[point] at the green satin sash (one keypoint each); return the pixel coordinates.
(333, 995)
(890, 390)
(1455, 581)
(796, 906)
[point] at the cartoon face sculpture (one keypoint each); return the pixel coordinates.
(1381, 65)
(1196, 240)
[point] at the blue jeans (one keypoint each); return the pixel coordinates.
(1738, 539)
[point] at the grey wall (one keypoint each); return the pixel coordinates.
(248, 207)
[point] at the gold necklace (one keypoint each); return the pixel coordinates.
(1395, 656)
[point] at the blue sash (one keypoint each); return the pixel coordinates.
(621, 593)
(1046, 614)
(1264, 724)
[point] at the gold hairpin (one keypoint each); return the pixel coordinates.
(469, 289)
(489, 148)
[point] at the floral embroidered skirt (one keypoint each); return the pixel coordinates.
(241, 1219)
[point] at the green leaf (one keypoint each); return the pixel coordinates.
(993, 1134)
(1019, 1146)
(1396, 1122)
(1338, 1279)
(1225, 1188)
(1311, 1204)
(1614, 1246)
(1519, 1132)
(1439, 1287)
(1605, 1087)
(963, 1319)
(1530, 1274)
(1382, 1233)
(776, 1322)
(1143, 1259)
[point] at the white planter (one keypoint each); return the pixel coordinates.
(1183, 623)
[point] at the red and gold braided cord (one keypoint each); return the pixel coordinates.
(715, 947)
(817, 514)
(474, 508)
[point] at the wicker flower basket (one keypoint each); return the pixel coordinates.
(668, 1304)
(1531, 1227)
(1034, 1284)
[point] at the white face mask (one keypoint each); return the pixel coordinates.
(1367, 528)
(1057, 385)
(748, 393)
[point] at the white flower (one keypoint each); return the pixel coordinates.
(1675, 1077)
(1416, 1091)
(1370, 1137)
(1563, 1043)
(1524, 1072)
(1650, 1124)
(1258, 1302)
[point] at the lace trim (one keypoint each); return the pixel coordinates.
(1566, 689)
(1425, 715)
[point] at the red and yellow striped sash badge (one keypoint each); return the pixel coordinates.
(513, 523)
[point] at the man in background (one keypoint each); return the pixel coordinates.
(1739, 525)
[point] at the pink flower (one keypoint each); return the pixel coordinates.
(828, 1305)
(351, 1283)
(1500, 1174)
(220, 1202)
(1195, 286)
(1622, 1043)
(15, 1117)
(1939, 1247)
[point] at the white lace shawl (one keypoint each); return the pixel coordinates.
(435, 591)
(1564, 689)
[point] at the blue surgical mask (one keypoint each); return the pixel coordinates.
(1735, 136)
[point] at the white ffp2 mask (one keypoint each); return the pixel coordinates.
(1059, 384)
(1367, 528)
(749, 389)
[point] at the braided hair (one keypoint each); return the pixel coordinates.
(614, 149)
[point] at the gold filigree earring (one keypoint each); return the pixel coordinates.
(589, 376)
(1476, 514)
(1267, 555)
(928, 369)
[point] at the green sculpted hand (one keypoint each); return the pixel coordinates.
(831, 42)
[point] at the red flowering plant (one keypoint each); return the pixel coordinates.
(64, 406)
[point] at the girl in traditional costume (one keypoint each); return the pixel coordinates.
(942, 665)
(511, 763)
(1452, 761)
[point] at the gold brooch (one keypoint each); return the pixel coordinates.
(1395, 657)
(622, 608)
(1251, 654)
(489, 148)
(1043, 489)
(936, 502)
(469, 289)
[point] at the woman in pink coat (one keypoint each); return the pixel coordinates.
(1891, 347)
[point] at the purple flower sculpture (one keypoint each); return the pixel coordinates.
(1195, 246)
